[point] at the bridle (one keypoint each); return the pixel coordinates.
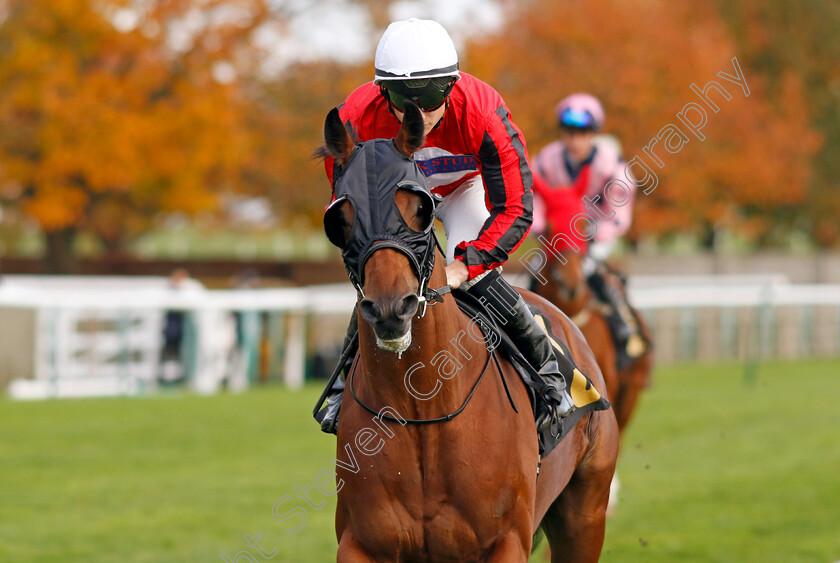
(377, 171)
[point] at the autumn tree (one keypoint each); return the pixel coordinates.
(114, 110)
(288, 122)
(640, 59)
(780, 36)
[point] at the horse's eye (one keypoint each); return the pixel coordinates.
(415, 208)
(338, 222)
(423, 215)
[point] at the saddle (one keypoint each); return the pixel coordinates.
(586, 397)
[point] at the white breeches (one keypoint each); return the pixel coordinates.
(463, 214)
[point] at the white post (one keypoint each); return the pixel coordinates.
(293, 372)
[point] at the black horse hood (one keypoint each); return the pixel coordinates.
(369, 181)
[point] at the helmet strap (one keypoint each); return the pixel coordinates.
(445, 107)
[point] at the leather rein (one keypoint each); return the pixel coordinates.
(432, 297)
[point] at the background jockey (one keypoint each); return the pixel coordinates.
(570, 178)
(475, 158)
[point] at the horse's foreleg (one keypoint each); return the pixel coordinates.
(510, 549)
(632, 384)
(351, 551)
(575, 523)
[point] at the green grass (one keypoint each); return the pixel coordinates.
(719, 468)
(714, 468)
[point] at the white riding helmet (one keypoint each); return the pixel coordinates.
(415, 49)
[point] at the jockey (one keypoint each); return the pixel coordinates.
(580, 167)
(475, 159)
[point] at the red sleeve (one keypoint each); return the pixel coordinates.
(507, 180)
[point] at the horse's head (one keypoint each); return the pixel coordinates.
(569, 281)
(383, 221)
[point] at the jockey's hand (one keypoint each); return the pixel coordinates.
(456, 274)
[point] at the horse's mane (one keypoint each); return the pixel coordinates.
(319, 153)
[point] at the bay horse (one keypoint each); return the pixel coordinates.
(567, 288)
(452, 472)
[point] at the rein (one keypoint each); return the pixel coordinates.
(432, 297)
(436, 296)
(428, 296)
(444, 418)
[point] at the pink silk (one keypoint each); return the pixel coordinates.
(612, 220)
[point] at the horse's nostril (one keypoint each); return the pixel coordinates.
(370, 311)
(407, 306)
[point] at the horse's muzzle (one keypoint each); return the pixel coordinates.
(391, 320)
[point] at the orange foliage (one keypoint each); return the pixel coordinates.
(104, 128)
(290, 125)
(110, 126)
(640, 59)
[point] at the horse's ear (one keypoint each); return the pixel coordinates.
(411, 135)
(337, 141)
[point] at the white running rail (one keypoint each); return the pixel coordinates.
(103, 335)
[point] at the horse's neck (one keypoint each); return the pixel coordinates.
(410, 383)
(581, 301)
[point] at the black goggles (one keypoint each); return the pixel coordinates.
(428, 101)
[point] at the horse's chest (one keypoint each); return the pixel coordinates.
(442, 532)
(445, 512)
(446, 492)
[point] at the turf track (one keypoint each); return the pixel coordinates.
(716, 467)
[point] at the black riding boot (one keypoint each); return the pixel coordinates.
(629, 343)
(328, 416)
(515, 318)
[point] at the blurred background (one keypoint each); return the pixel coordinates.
(160, 239)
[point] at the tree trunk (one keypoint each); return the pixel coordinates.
(60, 257)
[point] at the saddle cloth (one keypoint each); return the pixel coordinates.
(586, 397)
